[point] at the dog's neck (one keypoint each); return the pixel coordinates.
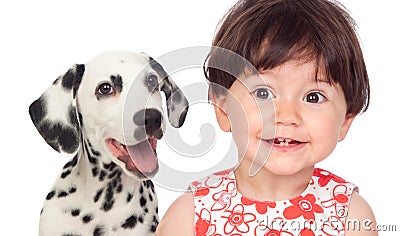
(105, 188)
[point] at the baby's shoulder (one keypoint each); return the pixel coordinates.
(178, 220)
(361, 214)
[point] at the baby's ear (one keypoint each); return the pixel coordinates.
(348, 120)
(219, 103)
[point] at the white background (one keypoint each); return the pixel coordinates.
(41, 39)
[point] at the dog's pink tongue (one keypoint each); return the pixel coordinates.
(143, 157)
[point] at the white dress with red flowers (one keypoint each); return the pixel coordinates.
(320, 210)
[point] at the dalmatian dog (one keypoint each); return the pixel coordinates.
(107, 116)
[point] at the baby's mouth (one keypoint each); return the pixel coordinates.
(283, 142)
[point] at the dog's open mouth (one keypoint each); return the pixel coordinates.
(141, 156)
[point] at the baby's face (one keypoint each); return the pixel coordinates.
(286, 117)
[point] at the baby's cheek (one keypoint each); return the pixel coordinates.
(324, 136)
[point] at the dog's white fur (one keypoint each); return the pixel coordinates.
(95, 194)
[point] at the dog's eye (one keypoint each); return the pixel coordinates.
(152, 81)
(105, 88)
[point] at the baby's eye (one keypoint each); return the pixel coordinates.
(315, 97)
(263, 93)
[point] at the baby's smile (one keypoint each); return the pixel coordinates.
(284, 144)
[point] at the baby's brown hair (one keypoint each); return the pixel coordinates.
(268, 33)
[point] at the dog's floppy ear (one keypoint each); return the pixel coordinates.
(54, 113)
(177, 103)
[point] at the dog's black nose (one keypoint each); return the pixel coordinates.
(151, 119)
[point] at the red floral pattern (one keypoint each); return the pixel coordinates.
(238, 220)
(320, 210)
(261, 206)
(325, 177)
(303, 206)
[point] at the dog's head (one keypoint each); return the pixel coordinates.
(111, 109)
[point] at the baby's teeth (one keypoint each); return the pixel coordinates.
(284, 142)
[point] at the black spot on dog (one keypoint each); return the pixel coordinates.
(92, 159)
(68, 79)
(65, 174)
(109, 198)
(80, 69)
(72, 116)
(50, 195)
(140, 219)
(167, 89)
(37, 110)
(158, 68)
(149, 184)
(154, 224)
(119, 188)
(114, 174)
(117, 83)
(96, 153)
(182, 117)
(102, 175)
(95, 171)
(129, 197)
(107, 166)
(114, 183)
(43, 130)
(62, 194)
(93, 152)
(59, 136)
(109, 194)
(112, 166)
(72, 163)
(99, 231)
(87, 218)
(150, 197)
(107, 205)
(75, 212)
(70, 234)
(68, 140)
(130, 223)
(72, 190)
(57, 80)
(73, 77)
(80, 118)
(98, 194)
(177, 96)
(141, 189)
(143, 201)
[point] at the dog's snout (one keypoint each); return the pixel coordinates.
(151, 119)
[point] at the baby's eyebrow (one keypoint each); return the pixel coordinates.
(323, 81)
(320, 81)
